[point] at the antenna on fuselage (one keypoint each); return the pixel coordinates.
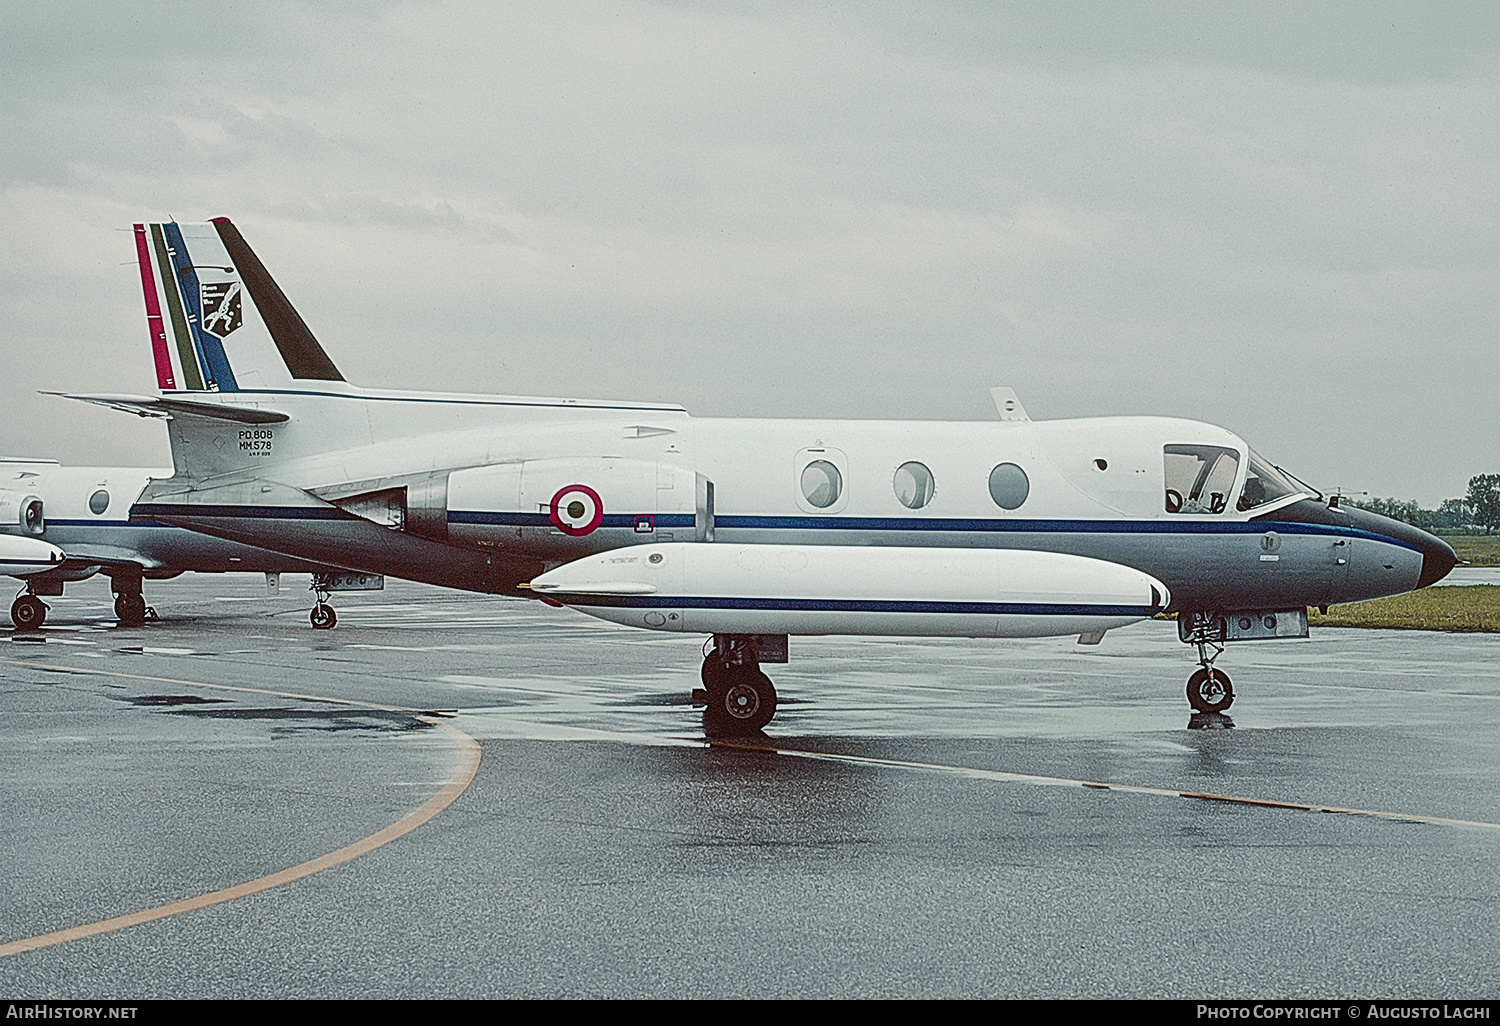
(1008, 405)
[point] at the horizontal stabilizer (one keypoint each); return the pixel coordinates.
(146, 406)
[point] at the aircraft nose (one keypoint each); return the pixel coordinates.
(1438, 556)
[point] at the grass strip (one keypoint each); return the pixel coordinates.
(1473, 607)
(1478, 549)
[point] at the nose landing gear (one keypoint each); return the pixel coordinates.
(1208, 689)
(322, 616)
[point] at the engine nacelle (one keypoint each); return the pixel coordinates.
(551, 508)
(22, 557)
(559, 507)
(23, 510)
(840, 589)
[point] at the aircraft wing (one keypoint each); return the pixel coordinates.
(111, 555)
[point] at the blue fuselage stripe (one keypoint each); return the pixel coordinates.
(1013, 526)
(189, 510)
(853, 605)
(799, 524)
(460, 516)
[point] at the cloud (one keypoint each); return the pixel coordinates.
(1276, 219)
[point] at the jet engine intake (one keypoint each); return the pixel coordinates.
(22, 510)
(416, 505)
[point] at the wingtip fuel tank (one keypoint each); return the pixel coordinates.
(837, 589)
(22, 557)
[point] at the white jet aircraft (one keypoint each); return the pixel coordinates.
(749, 530)
(82, 513)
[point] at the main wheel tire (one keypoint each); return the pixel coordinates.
(130, 607)
(714, 671)
(739, 704)
(1209, 691)
(323, 617)
(28, 612)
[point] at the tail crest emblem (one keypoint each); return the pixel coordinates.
(222, 312)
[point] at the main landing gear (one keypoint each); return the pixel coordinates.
(130, 604)
(27, 612)
(741, 699)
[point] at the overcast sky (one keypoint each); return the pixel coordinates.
(1283, 218)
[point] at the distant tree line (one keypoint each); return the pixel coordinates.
(1480, 508)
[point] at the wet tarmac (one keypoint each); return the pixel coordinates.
(925, 818)
(1460, 576)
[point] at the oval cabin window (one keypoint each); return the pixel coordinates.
(914, 485)
(821, 483)
(99, 502)
(1009, 486)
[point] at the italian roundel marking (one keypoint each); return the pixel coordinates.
(577, 509)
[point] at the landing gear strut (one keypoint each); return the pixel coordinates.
(741, 699)
(322, 616)
(1209, 689)
(27, 612)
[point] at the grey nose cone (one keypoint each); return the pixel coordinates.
(1438, 558)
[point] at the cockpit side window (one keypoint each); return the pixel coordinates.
(1264, 483)
(1199, 477)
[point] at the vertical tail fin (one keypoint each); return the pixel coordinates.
(205, 335)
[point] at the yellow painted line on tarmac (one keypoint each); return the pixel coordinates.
(458, 781)
(1033, 778)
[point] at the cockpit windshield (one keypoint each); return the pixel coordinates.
(1265, 482)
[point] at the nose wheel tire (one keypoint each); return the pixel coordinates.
(323, 617)
(741, 701)
(1209, 690)
(28, 612)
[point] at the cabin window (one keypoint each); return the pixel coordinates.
(821, 484)
(913, 484)
(1199, 478)
(1009, 486)
(99, 502)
